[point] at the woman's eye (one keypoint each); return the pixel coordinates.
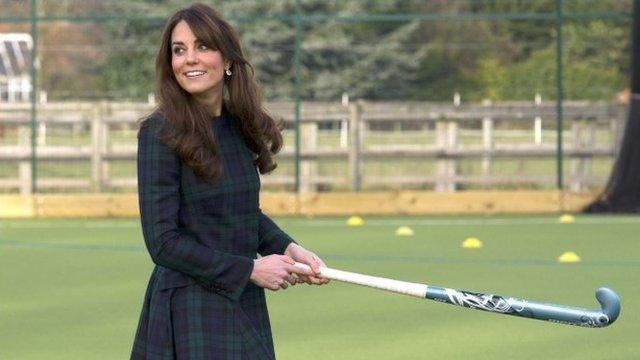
(177, 50)
(203, 47)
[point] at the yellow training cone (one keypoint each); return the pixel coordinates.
(569, 257)
(404, 231)
(355, 221)
(566, 219)
(472, 243)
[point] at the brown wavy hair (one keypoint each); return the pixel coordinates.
(187, 129)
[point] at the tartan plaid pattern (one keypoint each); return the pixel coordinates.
(203, 238)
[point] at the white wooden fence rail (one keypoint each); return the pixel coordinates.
(353, 123)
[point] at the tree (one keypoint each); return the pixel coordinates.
(368, 58)
(622, 193)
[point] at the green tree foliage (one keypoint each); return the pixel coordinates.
(130, 66)
(344, 50)
(595, 52)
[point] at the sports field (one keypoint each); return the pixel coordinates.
(72, 289)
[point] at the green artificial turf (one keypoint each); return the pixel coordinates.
(72, 289)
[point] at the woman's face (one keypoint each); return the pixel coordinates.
(197, 68)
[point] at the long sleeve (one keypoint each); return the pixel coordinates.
(272, 239)
(159, 172)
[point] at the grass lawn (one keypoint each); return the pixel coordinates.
(72, 289)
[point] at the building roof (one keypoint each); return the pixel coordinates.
(15, 54)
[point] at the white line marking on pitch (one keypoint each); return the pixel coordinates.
(467, 222)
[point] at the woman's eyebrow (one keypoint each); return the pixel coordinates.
(197, 42)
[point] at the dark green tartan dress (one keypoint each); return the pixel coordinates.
(203, 238)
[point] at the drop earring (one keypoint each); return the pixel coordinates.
(228, 72)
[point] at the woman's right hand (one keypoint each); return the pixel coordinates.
(275, 272)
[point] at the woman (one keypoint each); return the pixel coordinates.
(198, 190)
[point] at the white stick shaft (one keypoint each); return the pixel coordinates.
(603, 316)
(401, 287)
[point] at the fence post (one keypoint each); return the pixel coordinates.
(575, 162)
(447, 139)
(537, 122)
(355, 145)
(344, 123)
(616, 128)
(589, 143)
(487, 141)
(97, 147)
(441, 165)
(452, 143)
(105, 109)
(24, 167)
(309, 168)
(583, 138)
(42, 127)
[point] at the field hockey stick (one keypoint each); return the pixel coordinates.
(570, 315)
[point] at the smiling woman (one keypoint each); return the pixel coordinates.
(198, 68)
(199, 39)
(199, 155)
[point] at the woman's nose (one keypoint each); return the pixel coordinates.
(192, 57)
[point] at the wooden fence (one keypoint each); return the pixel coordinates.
(94, 125)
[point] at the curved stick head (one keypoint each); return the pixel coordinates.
(610, 303)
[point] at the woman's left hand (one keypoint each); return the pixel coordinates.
(304, 256)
